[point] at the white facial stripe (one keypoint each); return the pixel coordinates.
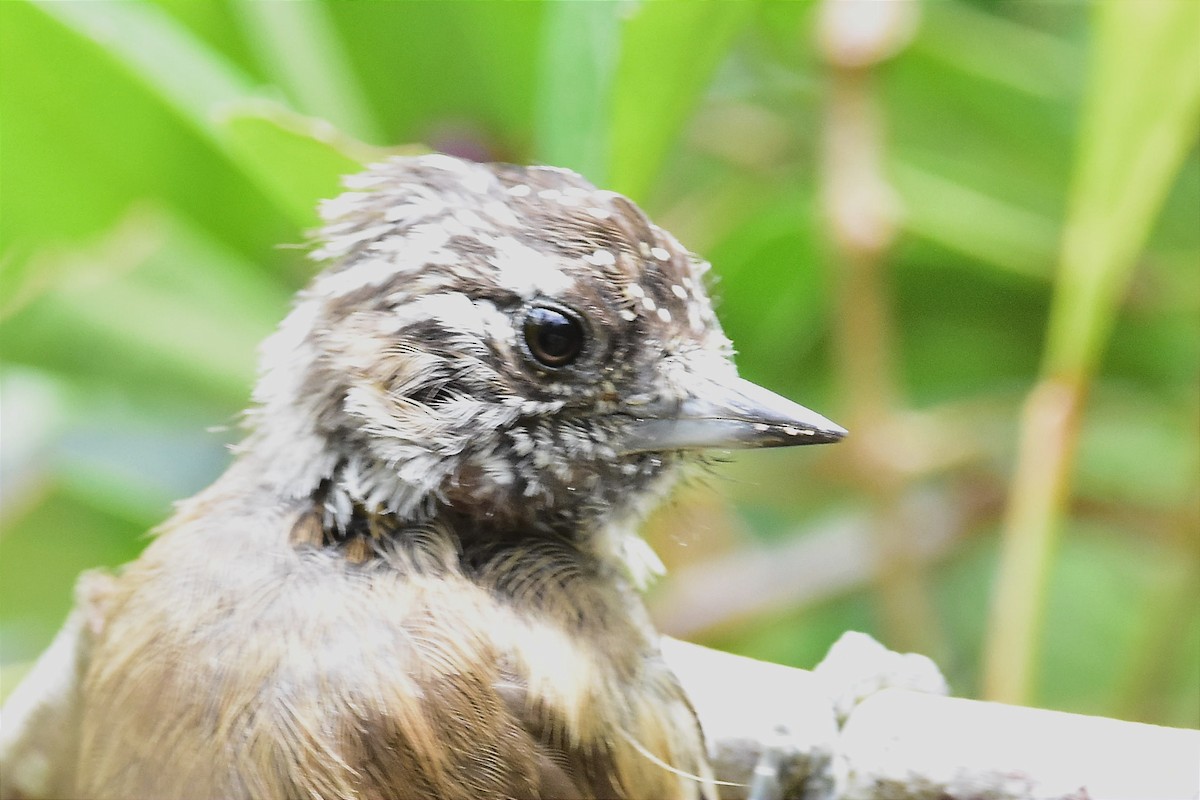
(451, 310)
(454, 311)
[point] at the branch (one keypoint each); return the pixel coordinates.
(869, 724)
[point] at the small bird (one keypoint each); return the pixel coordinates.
(420, 577)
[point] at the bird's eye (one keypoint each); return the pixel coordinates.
(554, 336)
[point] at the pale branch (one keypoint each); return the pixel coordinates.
(869, 724)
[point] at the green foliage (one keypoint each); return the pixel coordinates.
(1129, 151)
(156, 154)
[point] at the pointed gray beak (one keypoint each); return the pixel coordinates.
(734, 413)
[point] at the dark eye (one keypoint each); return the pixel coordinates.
(554, 336)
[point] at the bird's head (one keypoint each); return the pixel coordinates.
(507, 342)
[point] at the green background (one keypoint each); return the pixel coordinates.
(160, 161)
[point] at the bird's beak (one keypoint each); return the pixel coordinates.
(724, 414)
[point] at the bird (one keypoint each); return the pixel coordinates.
(421, 575)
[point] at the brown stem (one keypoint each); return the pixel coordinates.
(1050, 428)
(862, 213)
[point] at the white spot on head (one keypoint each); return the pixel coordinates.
(474, 177)
(679, 291)
(525, 271)
(549, 194)
(364, 180)
(422, 245)
(627, 315)
(519, 190)
(600, 258)
(342, 243)
(501, 213)
(497, 323)
(499, 470)
(444, 162)
(649, 304)
(664, 315)
(599, 213)
(635, 290)
(362, 274)
(340, 206)
(415, 209)
(470, 219)
(660, 253)
(281, 352)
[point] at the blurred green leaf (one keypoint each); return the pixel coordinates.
(291, 158)
(1136, 427)
(60, 537)
(668, 54)
(298, 45)
(83, 140)
(773, 293)
(297, 160)
(984, 126)
(162, 303)
(1099, 592)
(983, 228)
(1131, 145)
(180, 69)
(619, 81)
(580, 51)
(453, 73)
(976, 41)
